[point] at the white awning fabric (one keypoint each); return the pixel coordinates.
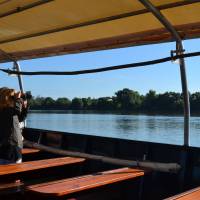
(35, 28)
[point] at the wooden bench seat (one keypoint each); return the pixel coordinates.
(10, 188)
(193, 194)
(36, 165)
(13, 185)
(26, 151)
(78, 184)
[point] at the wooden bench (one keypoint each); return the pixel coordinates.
(26, 151)
(12, 187)
(193, 194)
(36, 165)
(73, 185)
(18, 170)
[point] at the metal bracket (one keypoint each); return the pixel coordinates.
(176, 52)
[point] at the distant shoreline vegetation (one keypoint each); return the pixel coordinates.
(124, 100)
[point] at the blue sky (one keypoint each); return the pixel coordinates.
(161, 77)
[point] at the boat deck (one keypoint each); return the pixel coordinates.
(45, 175)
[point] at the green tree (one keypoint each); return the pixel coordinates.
(36, 103)
(86, 102)
(93, 105)
(105, 103)
(150, 101)
(169, 101)
(77, 104)
(62, 103)
(195, 102)
(48, 103)
(128, 99)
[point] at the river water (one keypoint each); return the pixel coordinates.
(153, 128)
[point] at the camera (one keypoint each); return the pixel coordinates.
(26, 96)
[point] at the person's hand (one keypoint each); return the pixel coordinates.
(25, 103)
(18, 95)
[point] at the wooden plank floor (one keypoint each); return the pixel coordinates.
(77, 184)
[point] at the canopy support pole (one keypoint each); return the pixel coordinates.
(17, 67)
(179, 50)
(185, 97)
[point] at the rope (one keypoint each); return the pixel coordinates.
(103, 69)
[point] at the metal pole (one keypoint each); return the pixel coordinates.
(17, 67)
(179, 50)
(185, 96)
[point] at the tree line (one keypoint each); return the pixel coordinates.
(123, 100)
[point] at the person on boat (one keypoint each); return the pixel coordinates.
(13, 110)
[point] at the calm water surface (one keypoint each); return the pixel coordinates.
(154, 128)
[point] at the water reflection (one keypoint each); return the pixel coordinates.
(126, 125)
(164, 129)
(150, 123)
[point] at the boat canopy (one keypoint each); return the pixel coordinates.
(35, 28)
